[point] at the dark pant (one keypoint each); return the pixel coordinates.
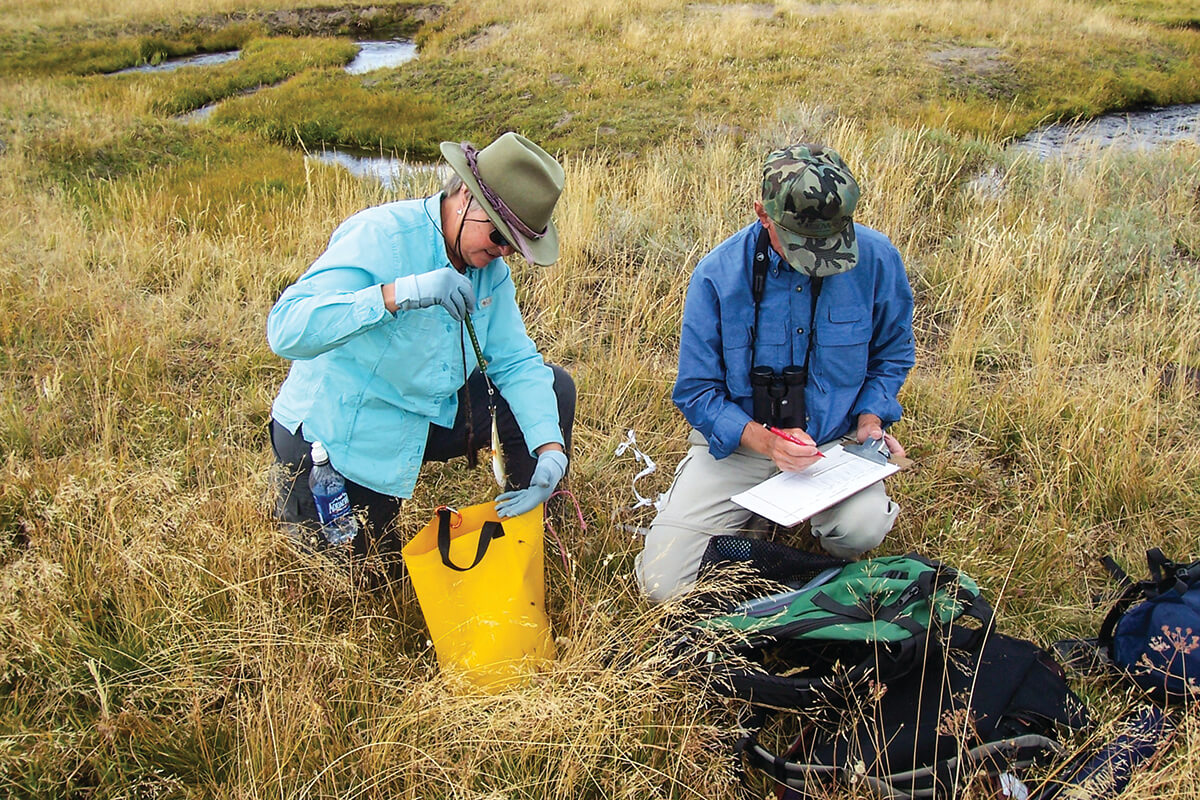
(294, 502)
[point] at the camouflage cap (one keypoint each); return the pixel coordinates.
(809, 193)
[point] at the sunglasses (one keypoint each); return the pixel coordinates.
(496, 236)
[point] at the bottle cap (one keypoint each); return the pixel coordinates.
(319, 455)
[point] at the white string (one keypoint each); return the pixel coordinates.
(630, 443)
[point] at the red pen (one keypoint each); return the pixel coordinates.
(791, 439)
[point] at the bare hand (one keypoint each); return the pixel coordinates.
(871, 427)
(792, 456)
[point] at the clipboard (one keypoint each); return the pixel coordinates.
(789, 498)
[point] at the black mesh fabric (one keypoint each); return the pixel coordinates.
(770, 560)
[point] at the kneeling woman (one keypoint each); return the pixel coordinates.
(383, 372)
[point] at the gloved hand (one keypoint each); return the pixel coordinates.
(445, 287)
(551, 466)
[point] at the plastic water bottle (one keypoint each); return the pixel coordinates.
(338, 523)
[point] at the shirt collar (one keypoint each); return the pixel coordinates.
(433, 214)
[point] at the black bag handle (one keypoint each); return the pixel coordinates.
(491, 530)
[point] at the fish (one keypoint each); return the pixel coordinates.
(497, 455)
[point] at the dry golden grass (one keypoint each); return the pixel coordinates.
(159, 639)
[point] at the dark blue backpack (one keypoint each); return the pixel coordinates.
(1152, 633)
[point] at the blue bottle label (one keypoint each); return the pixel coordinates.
(330, 508)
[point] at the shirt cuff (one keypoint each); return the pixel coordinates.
(543, 433)
(873, 401)
(727, 431)
(368, 305)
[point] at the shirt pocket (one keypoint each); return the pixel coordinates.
(844, 346)
(736, 352)
(423, 358)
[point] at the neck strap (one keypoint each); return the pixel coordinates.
(758, 286)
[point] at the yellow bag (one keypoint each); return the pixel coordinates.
(487, 620)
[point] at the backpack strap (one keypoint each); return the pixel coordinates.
(1104, 638)
(786, 772)
(963, 637)
(1165, 575)
(1015, 752)
(1162, 574)
(1113, 568)
(1168, 575)
(1158, 563)
(1131, 592)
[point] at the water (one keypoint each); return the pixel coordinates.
(372, 55)
(388, 170)
(170, 65)
(338, 523)
(381, 55)
(199, 114)
(1133, 130)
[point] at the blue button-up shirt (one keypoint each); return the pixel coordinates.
(367, 383)
(861, 355)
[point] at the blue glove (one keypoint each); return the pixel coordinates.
(444, 287)
(551, 466)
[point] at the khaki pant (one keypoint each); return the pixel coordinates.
(698, 506)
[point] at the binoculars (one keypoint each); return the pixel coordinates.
(779, 396)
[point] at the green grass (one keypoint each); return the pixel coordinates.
(623, 78)
(62, 55)
(337, 109)
(1160, 12)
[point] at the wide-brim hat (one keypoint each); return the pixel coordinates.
(517, 184)
(810, 195)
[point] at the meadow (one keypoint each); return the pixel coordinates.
(158, 636)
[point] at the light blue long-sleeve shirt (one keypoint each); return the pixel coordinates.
(367, 383)
(861, 355)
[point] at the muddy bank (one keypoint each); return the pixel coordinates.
(373, 22)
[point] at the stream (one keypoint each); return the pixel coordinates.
(388, 170)
(372, 55)
(172, 64)
(1132, 130)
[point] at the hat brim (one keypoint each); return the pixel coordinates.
(819, 257)
(544, 250)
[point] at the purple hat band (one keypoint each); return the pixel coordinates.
(521, 232)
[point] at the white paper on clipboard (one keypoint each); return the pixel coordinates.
(789, 498)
